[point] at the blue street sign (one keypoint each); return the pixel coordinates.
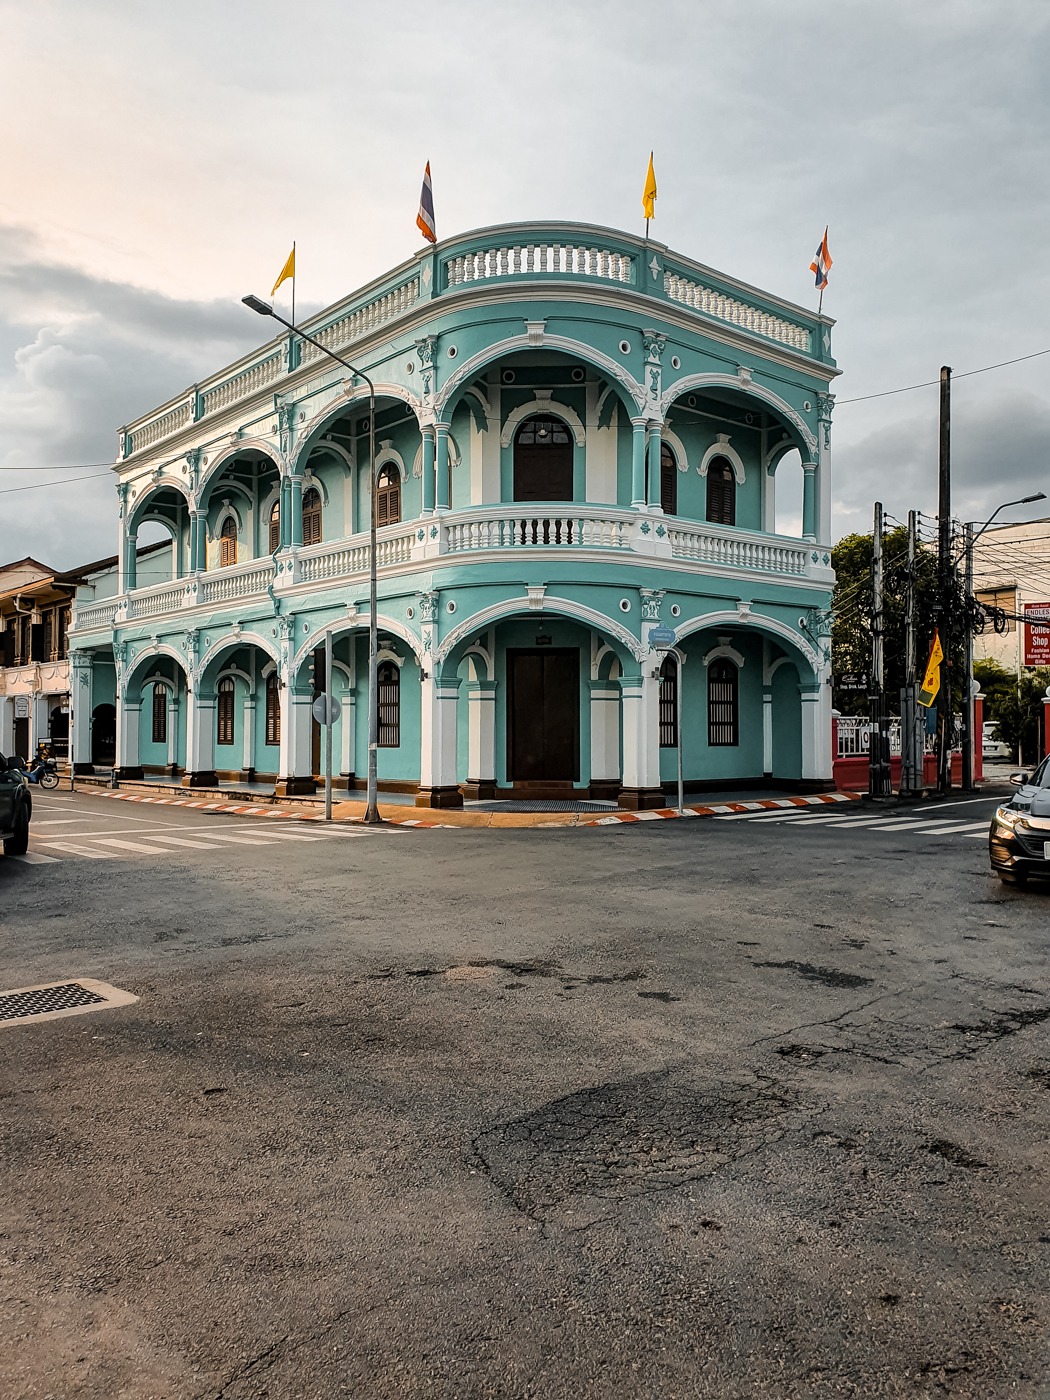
(662, 638)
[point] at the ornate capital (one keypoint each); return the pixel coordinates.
(652, 601)
(653, 343)
(428, 604)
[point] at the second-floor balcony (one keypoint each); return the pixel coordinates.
(535, 532)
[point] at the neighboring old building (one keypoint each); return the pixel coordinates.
(579, 439)
(35, 605)
(1011, 572)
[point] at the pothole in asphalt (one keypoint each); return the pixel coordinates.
(654, 1132)
(826, 976)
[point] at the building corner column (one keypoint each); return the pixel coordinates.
(438, 786)
(481, 741)
(640, 704)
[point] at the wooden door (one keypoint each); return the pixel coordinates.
(543, 722)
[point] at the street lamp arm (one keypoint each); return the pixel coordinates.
(1024, 501)
(372, 817)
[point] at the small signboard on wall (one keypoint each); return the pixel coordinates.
(1037, 639)
(21, 707)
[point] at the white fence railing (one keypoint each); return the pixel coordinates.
(854, 737)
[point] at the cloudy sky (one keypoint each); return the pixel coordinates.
(167, 154)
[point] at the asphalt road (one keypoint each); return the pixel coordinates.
(676, 1109)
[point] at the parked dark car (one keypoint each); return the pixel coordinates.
(1019, 839)
(16, 807)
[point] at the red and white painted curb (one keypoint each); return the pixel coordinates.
(237, 809)
(721, 809)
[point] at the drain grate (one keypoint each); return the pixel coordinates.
(50, 1000)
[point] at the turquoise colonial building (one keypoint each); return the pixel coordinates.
(579, 439)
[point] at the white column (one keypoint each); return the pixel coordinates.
(200, 740)
(296, 775)
(126, 562)
(129, 713)
(79, 712)
(437, 747)
(7, 727)
(347, 730)
(640, 704)
(481, 738)
(767, 732)
(605, 734)
(248, 737)
(816, 734)
(39, 722)
(173, 731)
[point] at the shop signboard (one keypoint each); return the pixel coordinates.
(1037, 639)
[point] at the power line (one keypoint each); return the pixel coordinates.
(64, 467)
(63, 481)
(928, 383)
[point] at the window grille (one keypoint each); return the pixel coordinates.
(721, 492)
(225, 710)
(723, 725)
(668, 481)
(228, 542)
(388, 496)
(669, 703)
(160, 714)
(275, 527)
(273, 709)
(312, 517)
(389, 679)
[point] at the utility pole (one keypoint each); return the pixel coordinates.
(967, 709)
(878, 746)
(945, 723)
(912, 777)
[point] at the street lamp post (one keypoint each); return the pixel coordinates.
(970, 537)
(372, 817)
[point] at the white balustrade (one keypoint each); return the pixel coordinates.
(734, 550)
(366, 318)
(98, 615)
(146, 434)
(538, 528)
(521, 259)
(738, 313)
(227, 584)
(243, 384)
(156, 601)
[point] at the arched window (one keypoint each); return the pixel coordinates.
(668, 481)
(160, 714)
(543, 460)
(723, 709)
(721, 492)
(228, 542)
(275, 527)
(389, 678)
(388, 495)
(224, 717)
(273, 709)
(669, 702)
(311, 516)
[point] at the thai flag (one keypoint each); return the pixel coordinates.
(821, 264)
(425, 217)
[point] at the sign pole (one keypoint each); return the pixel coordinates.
(678, 728)
(328, 730)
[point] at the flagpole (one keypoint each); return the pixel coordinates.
(820, 303)
(293, 281)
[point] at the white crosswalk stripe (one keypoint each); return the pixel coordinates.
(89, 846)
(939, 824)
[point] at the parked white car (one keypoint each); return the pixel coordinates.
(992, 746)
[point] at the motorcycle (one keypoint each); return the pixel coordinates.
(43, 772)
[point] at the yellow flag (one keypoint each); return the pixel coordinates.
(287, 271)
(649, 193)
(931, 682)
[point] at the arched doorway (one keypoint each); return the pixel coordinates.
(543, 460)
(104, 736)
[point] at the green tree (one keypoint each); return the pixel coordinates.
(997, 683)
(1020, 715)
(853, 611)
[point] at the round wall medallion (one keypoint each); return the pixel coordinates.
(807, 406)
(675, 362)
(676, 611)
(577, 375)
(450, 607)
(410, 368)
(691, 400)
(508, 376)
(625, 347)
(302, 417)
(306, 627)
(625, 605)
(410, 613)
(452, 352)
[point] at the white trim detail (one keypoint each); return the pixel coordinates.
(512, 607)
(721, 448)
(759, 624)
(732, 381)
(677, 446)
(471, 368)
(238, 674)
(726, 649)
(543, 404)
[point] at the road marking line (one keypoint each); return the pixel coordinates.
(183, 841)
(127, 845)
(54, 821)
(242, 840)
(959, 827)
(35, 858)
(71, 849)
